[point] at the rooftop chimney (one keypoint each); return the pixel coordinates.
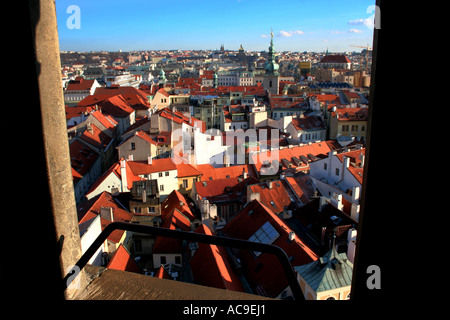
(362, 158)
(323, 201)
(336, 200)
(107, 213)
(355, 194)
(149, 160)
(291, 236)
(269, 184)
(244, 174)
(346, 162)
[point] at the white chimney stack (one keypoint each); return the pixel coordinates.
(323, 201)
(291, 236)
(336, 200)
(355, 194)
(355, 211)
(346, 162)
(123, 176)
(362, 158)
(107, 213)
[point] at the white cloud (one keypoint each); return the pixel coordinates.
(336, 32)
(355, 31)
(356, 22)
(359, 22)
(264, 36)
(283, 33)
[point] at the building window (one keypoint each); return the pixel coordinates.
(185, 183)
(133, 146)
(325, 165)
(167, 173)
(337, 171)
(151, 209)
(160, 174)
(161, 187)
(177, 260)
(162, 260)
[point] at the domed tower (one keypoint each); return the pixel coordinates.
(272, 76)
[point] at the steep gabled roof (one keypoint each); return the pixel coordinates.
(158, 165)
(210, 266)
(81, 157)
(211, 173)
(175, 221)
(298, 156)
(356, 166)
(337, 58)
(92, 208)
(275, 198)
(175, 200)
(95, 137)
(308, 123)
(122, 260)
(79, 84)
(263, 271)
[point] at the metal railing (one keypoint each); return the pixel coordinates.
(190, 236)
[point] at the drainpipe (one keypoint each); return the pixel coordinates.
(54, 131)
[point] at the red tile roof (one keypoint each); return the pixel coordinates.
(211, 173)
(175, 220)
(115, 169)
(300, 152)
(79, 84)
(162, 273)
(350, 114)
(187, 170)
(355, 162)
(122, 260)
(308, 123)
(81, 157)
(175, 200)
(95, 137)
(72, 112)
(116, 106)
(330, 98)
(91, 208)
(158, 165)
(337, 58)
(210, 266)
(275, 198)
(264, 271)
(135, 97)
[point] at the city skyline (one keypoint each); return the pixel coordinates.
(205, 25)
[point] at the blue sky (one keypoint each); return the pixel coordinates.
(298, 25)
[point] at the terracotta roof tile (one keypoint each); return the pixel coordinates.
(210, 266)
(122, 260)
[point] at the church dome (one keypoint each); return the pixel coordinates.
(271, 67)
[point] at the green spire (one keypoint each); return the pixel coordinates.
(271, 66)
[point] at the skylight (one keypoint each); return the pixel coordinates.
(266, 234)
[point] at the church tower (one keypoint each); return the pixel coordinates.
(272, 76)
